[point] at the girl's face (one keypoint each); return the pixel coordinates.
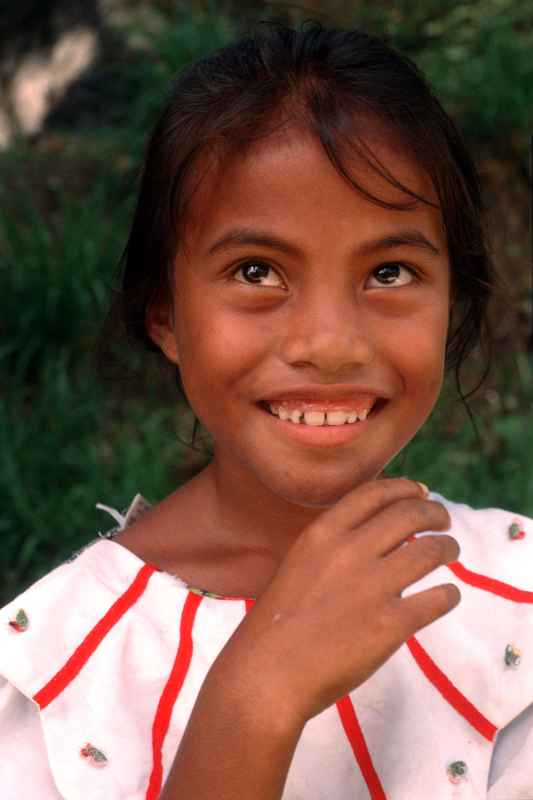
(314, 307)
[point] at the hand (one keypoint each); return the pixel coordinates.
(333, 613)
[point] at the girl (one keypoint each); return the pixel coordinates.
(307, 250)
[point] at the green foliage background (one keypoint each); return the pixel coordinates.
(68, 437)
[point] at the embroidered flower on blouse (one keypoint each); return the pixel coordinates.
(204, 592)
(516, 531)
(96, 757)
(512, 656)
(21, 621)
(457, 772)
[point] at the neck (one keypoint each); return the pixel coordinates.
(245, 514)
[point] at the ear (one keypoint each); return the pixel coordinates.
(159, 322)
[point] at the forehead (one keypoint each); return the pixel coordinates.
(285, 181)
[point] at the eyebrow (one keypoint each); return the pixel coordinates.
(249, 236)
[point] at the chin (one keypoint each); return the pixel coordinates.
(319, 502)
(316, 493)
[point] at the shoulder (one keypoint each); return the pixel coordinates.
(63, 606)
(74, 668)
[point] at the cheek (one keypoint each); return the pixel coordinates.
(220, 344)
(418, 349)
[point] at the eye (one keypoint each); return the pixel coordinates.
(390, 274)
(254, 272)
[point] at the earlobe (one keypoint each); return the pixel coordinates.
(160, 329)
(168, 345)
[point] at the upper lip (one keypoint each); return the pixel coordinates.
(314, 393)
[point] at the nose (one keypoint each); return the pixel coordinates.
(329, 332)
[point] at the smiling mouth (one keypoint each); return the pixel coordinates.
(314, 422)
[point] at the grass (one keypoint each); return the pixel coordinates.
(62, 449)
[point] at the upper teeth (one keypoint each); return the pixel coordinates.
(317, 418)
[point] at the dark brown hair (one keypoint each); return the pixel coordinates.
(332, 81)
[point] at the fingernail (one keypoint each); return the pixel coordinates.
(424, 488)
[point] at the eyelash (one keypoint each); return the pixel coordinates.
(243, 264)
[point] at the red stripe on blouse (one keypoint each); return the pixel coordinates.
(450, 692)
(171, 691)
(490, 584)
(479, 581)
(357, 741)
(84, 651)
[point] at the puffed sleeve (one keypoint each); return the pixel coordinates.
(86, 654)
(24, 767)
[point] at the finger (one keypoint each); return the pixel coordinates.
(391, 526)
(407, 565)
(362, 503)
(422, 608)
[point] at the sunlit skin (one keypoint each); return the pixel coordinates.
(318, 316)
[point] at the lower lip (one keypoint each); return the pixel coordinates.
(323, 435)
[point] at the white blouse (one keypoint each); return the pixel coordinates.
(102, 659)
